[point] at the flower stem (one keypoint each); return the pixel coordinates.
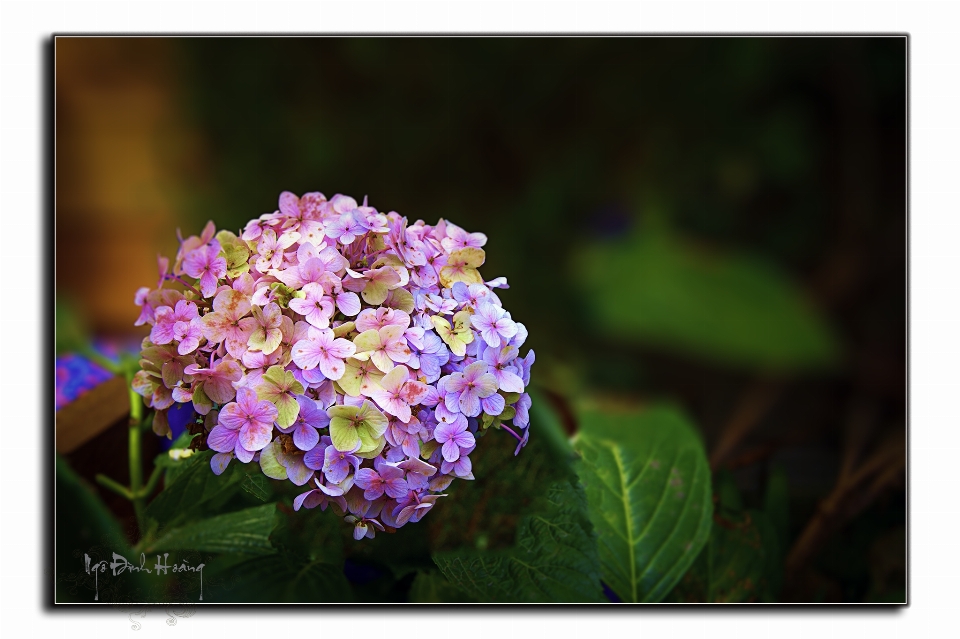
(151, 482)
(510, 430)
(136, 467)
(115, 486)
(192, 288)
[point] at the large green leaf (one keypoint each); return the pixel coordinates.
(648, 487)
(555, 558)
(305, 567)
(193, 485)
(654, 289)
(245, 531)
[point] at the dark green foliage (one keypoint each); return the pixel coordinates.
(743, 561)
(431, 587)
(305, 564)
(244, 531)
(191, 486)
(555, 558)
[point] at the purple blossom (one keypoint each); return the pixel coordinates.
(166, 319)
(324, 350)
(398, 393)
(316, 307)
(493, 323)
(188, 334)
(507, 378)
(462, 467)
(466, 389)
(246, 424)
(455, 437)
(346, 228)
(310, 419)
(206, 264)
(321, 496)
(271, 248)
(473, 295)
(457, 238)
(337, 464)
(388, 479)
(522, 407)
(223, 324)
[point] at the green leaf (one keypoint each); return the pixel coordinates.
(305, 567)
(652, 288)
(431, 587)
(245, 531)
(192, 486)
(648, 488)
(555, 558)
(740, 564)
(546, 423)
(255, 484)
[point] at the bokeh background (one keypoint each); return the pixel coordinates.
(717, 222)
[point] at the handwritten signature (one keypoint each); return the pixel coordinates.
(120, 564)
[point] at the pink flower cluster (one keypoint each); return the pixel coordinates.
(341, 349)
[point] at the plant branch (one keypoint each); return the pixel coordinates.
(115, 486)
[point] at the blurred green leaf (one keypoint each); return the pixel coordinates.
(555, 558)
(431, 587)
(69, 328)
(648, 487)
(655, 289)
(245, 531)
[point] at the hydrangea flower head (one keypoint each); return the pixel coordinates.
(346, 350)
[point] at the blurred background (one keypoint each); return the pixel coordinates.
(718, 222)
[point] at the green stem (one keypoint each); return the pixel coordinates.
(152, 482)
(115, 486)
(136, 467)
